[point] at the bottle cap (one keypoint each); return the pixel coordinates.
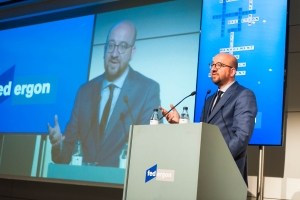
(185, 108)
(155, 109)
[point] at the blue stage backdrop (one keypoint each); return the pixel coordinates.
(42, 67)
(254, 32)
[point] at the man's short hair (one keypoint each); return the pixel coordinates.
(125, 22)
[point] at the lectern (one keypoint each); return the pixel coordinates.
(181, 161)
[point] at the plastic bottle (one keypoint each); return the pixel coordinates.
(123, 156)
(184, 117)
(154, 120)
(77, 154)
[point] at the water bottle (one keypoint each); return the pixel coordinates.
(77, 154)
(184, 117)
(154, 118)
(123, 156)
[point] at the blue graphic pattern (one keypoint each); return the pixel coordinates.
(225, 15)
(256, 37)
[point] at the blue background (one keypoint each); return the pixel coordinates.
(58, 49)
(264, 65)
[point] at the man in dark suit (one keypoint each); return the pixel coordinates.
(106, 106)
(234, 111)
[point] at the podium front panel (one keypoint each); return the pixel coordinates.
(174, 150)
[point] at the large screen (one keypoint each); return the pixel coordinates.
(252, 32)
(53, 74)
(57, 69)
(42, 67)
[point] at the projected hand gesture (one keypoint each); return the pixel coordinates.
(54, 133)
(173, 116)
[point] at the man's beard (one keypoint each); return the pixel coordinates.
(113, 75)
(216, 81)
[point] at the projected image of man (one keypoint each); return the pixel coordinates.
(232, 108)
(106, 106)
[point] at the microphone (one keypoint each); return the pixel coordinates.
(207, 93)
(192, 94)
(125, 98)
(122, 117)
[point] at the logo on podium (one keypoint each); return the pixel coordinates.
(159, 174)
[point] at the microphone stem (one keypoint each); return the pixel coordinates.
(130, 113)
(204, 113)
(174, 107)
(123, 123)
(126, 101)
(131, 118)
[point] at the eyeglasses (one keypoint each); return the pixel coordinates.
(218, 65)
(110, 47)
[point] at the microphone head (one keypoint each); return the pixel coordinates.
(125, 99)
(193, 93)
(208, 91)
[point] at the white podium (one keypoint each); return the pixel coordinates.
(181, 161)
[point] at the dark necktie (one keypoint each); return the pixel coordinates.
(219, 94)
(106, 111)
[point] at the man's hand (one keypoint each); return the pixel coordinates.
(54, 133)
(173, 117)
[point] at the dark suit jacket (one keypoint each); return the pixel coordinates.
(235, 116)
(143, 96)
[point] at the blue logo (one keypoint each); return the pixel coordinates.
(151, 173)
(5, 83)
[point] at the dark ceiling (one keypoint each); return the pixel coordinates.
(10, 9)
(14, 13)
(4, 4)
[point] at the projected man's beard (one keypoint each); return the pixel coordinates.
(114, 68)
